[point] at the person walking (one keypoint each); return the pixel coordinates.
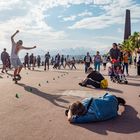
(87, 61)
(4, 59)
(125, 63)
(32, 61)
(104, 61)
(38, 61)
(26, 61)
(73, 63)
(97, 61)
(67, 61)
(47, 60)
(62, 62)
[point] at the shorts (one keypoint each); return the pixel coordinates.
(16, 62)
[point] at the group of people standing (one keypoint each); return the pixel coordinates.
(62, 61)
(124, 58)
(97, 60)
(115, 54)
(57, 61)
(30, 61)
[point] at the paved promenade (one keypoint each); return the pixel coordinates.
(38, 113)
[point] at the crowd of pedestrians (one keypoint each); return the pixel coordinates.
(63, 62)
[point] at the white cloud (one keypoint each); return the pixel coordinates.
(114, 14)
(35, 29)
(85, 14)
(74, 17)
(6, 4)
(99, 22)
(106, 38)
(70, 18)
(102, 2)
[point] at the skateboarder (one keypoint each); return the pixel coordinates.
(15, 61)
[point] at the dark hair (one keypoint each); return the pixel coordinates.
(77, 108)
(115, 44)
(121, 101)
(90, 68)
(20, 42)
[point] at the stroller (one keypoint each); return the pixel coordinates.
(116, 73)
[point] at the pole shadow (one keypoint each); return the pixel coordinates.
(52, 98)
(107, 90)
(133, 84)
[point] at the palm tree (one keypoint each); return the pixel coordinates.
(135, 38)
(132, 43)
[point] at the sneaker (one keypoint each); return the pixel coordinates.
(14, 79)
(18, 76)
(82, 85)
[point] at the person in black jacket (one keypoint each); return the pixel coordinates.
(114, 52)
(94, 79)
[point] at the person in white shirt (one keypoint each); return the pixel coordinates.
(104, 61)
(15, 61)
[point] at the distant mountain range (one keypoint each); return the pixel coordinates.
(78, 51)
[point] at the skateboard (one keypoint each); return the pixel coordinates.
(17, 78)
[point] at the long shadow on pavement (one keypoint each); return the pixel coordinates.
(127, 123)
(133, 84)
(52, 98)
(106, 90)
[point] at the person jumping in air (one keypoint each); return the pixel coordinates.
(15, 61)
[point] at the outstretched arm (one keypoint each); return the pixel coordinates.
(28, 48)
(12, 37)
(70, 116)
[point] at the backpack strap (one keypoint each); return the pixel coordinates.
(89, 103)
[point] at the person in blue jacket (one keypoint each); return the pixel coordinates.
(94, 109)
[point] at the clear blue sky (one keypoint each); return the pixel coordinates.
(52, 24)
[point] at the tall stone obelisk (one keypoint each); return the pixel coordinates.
(127, 31)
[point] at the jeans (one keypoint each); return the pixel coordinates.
(87, 65)
(125, 66)
(97, 65)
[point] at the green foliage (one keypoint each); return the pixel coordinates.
(132, 42)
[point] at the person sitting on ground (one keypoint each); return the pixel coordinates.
(95, 109)
(94, 79)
